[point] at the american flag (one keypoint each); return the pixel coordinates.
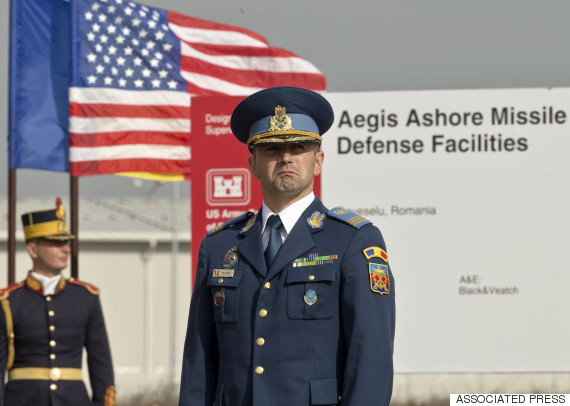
(134, 70)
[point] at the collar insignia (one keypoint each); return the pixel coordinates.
(316, 220)
(249, 224)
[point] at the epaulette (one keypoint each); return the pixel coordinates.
(348, 217)
(229, 223)
(4, 293)
(94, 290)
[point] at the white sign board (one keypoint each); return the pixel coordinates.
(471, 190)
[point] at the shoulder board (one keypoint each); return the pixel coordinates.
(4, 293)
(229, 223)
(94, 290)
(348, 217)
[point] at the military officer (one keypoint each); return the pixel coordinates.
(45, 323)
(293, 305)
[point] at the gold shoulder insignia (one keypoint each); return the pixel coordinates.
(348, 217)
(249, 224)
(110, 396)
(94, 290)
(4, 293)
(231, 223)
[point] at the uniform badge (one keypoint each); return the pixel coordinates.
(375, 252)
(310, 297)
(230, 258)
(316, 220)
(249, 224)
(379, 280)
(223, 273)
(219, 298)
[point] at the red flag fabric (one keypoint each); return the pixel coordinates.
(134, 70)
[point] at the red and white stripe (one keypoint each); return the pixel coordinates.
(149, 131)
(114, 130)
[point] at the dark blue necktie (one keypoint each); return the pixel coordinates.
(275, 224)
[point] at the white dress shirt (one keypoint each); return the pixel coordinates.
(49, 284)
(289, 216)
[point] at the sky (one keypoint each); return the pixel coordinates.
(361, 45)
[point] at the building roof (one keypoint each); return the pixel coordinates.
(113, 218)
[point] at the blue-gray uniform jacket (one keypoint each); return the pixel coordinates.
(41, 345)
(316, 328)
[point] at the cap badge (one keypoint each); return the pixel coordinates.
(230, 258)
(280, 121)
(310, 297)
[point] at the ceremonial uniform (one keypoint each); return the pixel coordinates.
(42, 345)
(45, 323)
(312, 325)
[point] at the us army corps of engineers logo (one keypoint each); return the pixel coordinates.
(228, 186)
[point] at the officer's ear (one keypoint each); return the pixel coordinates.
(251, 162)
(319, 158)
(32, 248)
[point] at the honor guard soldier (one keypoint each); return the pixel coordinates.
(47, 320)
(293, 305)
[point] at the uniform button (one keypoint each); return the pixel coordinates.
(311, 277)
(339, 397)
(53, 386)
(260, 341)
(259, 370)
(51, 313)
(221, 280)
(52, 343)
(51, 328)
(48, 298)
(262, 313)
(52, 356)
(267, 285)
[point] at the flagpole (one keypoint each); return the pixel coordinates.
(74, 217)
(11, 226)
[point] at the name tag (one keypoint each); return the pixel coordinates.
(223, 273)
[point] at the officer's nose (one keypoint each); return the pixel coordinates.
(285, 156)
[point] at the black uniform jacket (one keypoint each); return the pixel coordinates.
(51, 332)
(316, 328)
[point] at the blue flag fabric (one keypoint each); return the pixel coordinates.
(39, 81)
